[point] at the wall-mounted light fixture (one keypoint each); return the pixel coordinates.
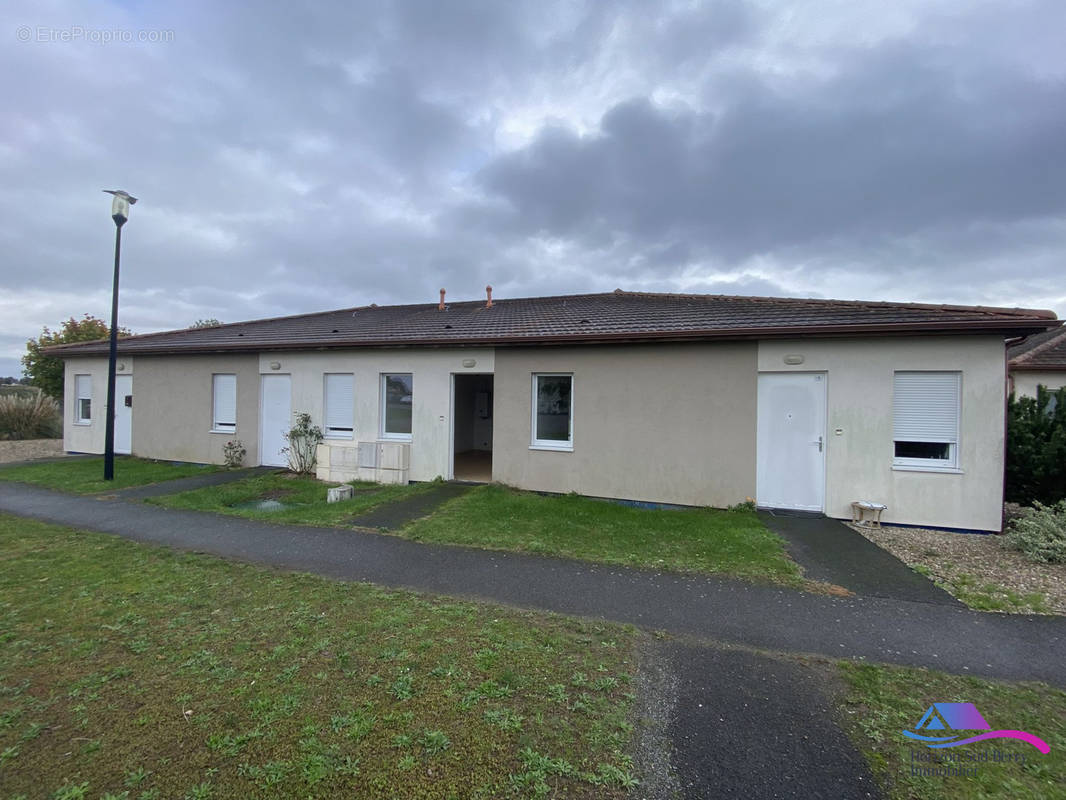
(275, 365)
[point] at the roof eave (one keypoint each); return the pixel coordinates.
(1001, 327)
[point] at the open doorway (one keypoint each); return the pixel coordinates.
(472, 429)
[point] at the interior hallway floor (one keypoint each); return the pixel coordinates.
(474, 466)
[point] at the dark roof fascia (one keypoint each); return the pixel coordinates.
(972, 327)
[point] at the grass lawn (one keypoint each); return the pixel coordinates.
(699, 540)
(132, 669)
(303, 496)
(85, 475)
(882, 701)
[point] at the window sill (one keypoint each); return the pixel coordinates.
(912, 468)
(339, 437)
(396, 437)
(556, 448)
(82, 424)
(228, 433)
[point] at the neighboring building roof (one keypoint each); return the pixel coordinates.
(589, 318)
(1043, 351)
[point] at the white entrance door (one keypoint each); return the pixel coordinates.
(791, 441)
(123, 414)
(275, 418)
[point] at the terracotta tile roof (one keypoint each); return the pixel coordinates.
(597, 318)
(1044, 351)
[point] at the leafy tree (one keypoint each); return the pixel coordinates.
(1036, 447)
(46, 372)
(210, 322)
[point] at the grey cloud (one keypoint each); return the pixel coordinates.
(782, 170)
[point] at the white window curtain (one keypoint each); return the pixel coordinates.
(339, 411)
(225, 403)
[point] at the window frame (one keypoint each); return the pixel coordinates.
(912, 464)
(556, 445)
(78, 418)
(382, 399)
(215, 423)
(327, 430)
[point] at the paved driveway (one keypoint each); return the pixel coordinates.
(830, 551)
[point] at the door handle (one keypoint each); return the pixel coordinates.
(820, 444)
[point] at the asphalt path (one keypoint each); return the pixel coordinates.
(874, 629)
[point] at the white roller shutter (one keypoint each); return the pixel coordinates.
(926, 407)
(339, 404)
(225, 403)
(83, 396)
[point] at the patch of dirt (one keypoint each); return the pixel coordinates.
(26, 449)
(949, 556)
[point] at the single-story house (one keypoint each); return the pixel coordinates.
(1038, 360)
(665, 398)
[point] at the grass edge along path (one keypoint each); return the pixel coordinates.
(303, 495)
(85, 475)
(133, 668)
(699, 540)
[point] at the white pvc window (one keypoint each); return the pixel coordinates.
(83, 399)
(553, 411)
(397, 401)
(339, 405)
(925, 420)
(224, 403)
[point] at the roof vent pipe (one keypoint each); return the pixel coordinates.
(488, 291)
(440, 307)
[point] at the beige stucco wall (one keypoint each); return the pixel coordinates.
(668, 423)
(859, 399)
(1026, 381)
(79, 438)
(432, 369)
(172, 407)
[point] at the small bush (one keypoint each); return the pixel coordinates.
(234, 452)
(304, 438)
(1040, 533)
(35, 417)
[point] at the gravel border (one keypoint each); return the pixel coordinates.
(949, 556)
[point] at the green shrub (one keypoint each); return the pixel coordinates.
(33, 417)
(1040, 533)
(304, 438)
(1036, 447)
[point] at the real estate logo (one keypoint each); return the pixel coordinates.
(955, 717)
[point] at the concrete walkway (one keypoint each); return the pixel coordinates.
(830, 551)
(877, 629)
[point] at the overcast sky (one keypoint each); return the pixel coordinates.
(298, 159)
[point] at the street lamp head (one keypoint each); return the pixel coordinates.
(120, 206)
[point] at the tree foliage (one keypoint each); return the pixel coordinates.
(45, 371)
(210, 322)
(1036, 447)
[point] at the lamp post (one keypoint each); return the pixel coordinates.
(120, 212)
